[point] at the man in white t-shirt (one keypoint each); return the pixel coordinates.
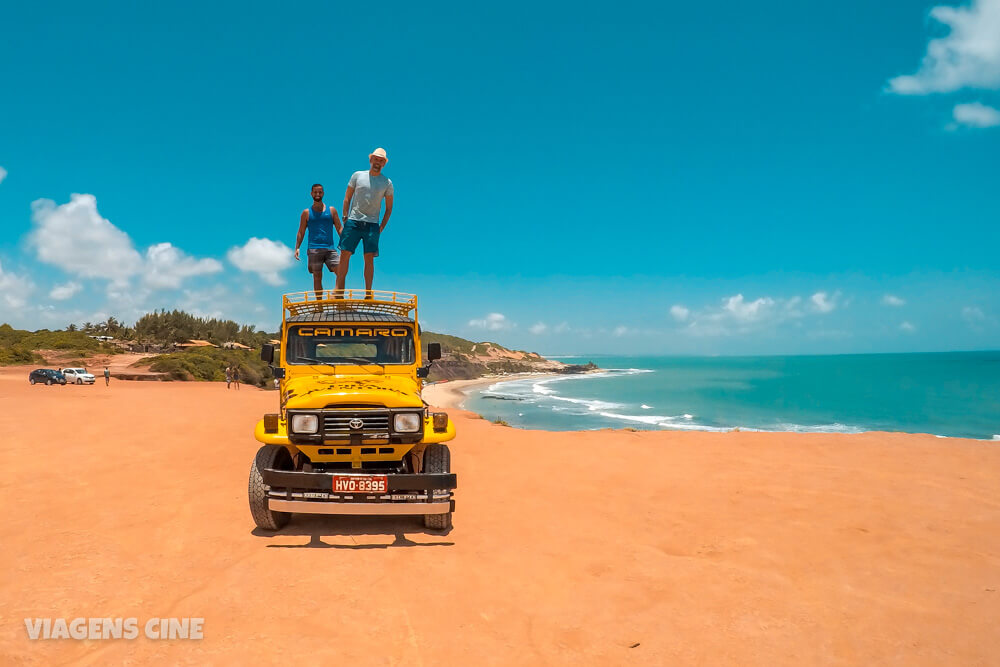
(362, 206)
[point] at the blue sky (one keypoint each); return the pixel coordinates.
(717, 178)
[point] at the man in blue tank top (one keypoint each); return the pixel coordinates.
(362, 206)
(319, 219)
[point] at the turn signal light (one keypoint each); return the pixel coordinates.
(440, 421)
(270, 423)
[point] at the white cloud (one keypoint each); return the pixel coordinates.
(967, 57)
(77, 239)
(975, 114)
(891, 300)
(492, 322)
(977, 319)
(744, 311)
(973, 315)
(74, 237)
(14, 293)
(263, 257)
(737, 315)
(167, 266)
(621, 330)
(679, 313)
(3, 174)
(538, 328)
(823, 302)
(65, 291)
(206, 302)
(907, 327)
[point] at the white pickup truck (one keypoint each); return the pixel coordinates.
(78, 376)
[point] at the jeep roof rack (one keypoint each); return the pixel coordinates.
(374, 302)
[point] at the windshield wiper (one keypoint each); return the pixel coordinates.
(314, 361)
(362, 360)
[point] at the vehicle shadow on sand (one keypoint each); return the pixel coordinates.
(318, 526)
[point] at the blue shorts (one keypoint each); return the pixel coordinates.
(355, 232)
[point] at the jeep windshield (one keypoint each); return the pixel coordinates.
(349, 344)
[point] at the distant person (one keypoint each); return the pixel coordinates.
(236, 376)
(229, 376)
(362, 205)
(320, 220)
(107, 375)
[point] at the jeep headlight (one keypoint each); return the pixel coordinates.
(406, 422)
(305, 423)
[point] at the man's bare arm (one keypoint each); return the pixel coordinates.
(336, 220)
(388, 212)
(347, 201)
(303, 223)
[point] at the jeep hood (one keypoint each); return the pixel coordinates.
(320, 391)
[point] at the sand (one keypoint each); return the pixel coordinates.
(568, 548)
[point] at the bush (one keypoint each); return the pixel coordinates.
(209, 364)
(17, 355)
(18, 346)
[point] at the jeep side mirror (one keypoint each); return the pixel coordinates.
(267, 353)
(433, 351)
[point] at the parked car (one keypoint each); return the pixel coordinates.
(46, 376)
(78, 375)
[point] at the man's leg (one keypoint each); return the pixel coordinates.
(345, 261)
(318, 282)
(315, 266)
(369, 272)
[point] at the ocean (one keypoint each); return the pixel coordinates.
(954, 394)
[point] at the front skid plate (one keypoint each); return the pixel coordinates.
(313, 507)
(289, 479)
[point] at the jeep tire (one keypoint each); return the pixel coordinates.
(268, 456)
(437, 459)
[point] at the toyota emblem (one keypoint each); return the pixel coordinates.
(355, 424)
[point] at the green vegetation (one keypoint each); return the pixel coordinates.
(450, 344)
(18, 346)
(176, 326)
(210, 363)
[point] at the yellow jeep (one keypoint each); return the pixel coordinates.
(352, 434)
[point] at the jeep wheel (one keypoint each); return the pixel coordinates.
(437, 459)
(79, 381)
(268, 456)
(49, 381)
(31, 380)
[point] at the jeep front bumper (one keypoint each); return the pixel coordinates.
(312, 493)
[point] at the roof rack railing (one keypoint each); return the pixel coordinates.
(359, 300)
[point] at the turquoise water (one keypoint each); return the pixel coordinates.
(950, 394)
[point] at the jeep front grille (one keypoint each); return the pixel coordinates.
(339, 424)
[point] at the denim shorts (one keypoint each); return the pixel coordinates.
(356, 231)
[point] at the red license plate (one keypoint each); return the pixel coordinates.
(360, 483)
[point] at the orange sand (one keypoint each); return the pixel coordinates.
(568, 548)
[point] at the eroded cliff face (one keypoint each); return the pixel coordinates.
(482, 359)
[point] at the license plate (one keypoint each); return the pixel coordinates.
(360, 483)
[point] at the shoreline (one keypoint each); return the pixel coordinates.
(453, 393)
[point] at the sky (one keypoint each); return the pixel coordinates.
(642, 178)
